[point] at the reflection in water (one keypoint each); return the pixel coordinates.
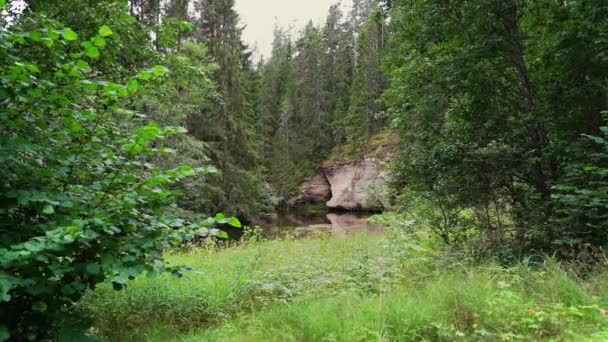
(335, 223)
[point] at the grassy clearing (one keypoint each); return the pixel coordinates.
(359, 288)
(489, 304)
(223, 283)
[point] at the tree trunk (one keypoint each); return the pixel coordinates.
(510, 19)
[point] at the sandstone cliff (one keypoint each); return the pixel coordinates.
(345, 185)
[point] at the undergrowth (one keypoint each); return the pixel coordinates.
(399, 287)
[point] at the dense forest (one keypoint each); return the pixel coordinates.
(130, 129)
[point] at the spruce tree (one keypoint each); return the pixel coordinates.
(228, 125)
(336, 70)
(365, 113)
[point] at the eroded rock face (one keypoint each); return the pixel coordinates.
(350, 184)
(315, 190)
(343, 186)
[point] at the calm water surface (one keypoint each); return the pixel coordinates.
(335, 223)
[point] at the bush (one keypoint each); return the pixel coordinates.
(583, 200)
(80, 201)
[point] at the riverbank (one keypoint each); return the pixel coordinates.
(396, 286)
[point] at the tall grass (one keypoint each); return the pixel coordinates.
(235, 280)
(359, 288)
(487, 305)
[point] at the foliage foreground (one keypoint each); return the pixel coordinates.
(395, 286)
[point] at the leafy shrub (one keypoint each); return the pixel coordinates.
(583, 199)
(80, 200)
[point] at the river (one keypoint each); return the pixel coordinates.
(306, 223)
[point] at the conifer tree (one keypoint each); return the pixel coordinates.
(228, 125)
(365, 114)
(336, 70)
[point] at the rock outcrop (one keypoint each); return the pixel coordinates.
(343, 186)
(315, 190)
(351, 184)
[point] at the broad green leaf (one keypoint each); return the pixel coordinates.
(20, 39)
(83, 65)
(92, 52)
(202, 231)
(176, 239)
(105, 31)
(159, 70)
(2, 5)
(48, 42)
(89, 85)
(185, 170)
(144, 75)
(53, 34)
(150, 131)
(33, 68)
(36, 36)
(133, 84)
(48, 209)
(219, 217)
(98, 41)
(75, 127)
(235, 222)
(68, 34)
